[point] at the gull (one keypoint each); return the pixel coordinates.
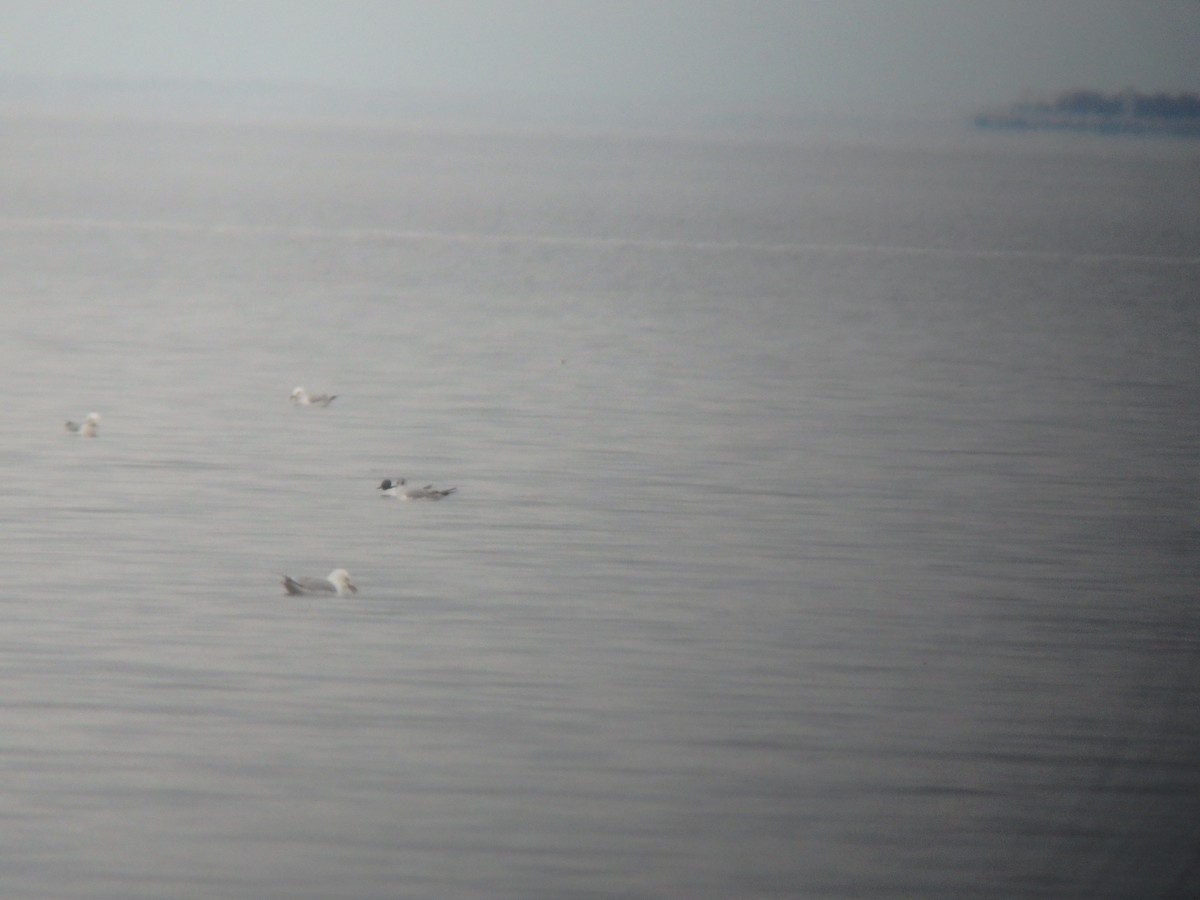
(301, 397)
(88, 428)
(338, 583)
(396, 488)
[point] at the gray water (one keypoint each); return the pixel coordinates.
(828, 514)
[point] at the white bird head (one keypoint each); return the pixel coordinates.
(341, 580)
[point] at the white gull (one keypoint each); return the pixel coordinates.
(88, 428)
(301, 397)
(338, 583)
(396, 488)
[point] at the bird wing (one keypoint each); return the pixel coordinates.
(305, 585)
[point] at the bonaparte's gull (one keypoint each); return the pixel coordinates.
(338, 583)
(89, 427)
(397, 488)
(301, 397)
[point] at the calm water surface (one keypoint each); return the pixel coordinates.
(828, 520)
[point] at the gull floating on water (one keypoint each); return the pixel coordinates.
(301, 397)
(396, 488)
(88, 428)
(338, 583)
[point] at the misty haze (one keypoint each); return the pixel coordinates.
(744, 450)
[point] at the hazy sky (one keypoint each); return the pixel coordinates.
(798, 55)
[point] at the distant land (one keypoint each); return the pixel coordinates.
(1127, 112)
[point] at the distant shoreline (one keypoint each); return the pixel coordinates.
(1128, 112)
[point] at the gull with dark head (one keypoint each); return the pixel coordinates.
(338, 583)
(301, 397)
(89, 428)
(397, 487)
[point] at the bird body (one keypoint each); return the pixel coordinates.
(89, 428)
(338, 582)
(396, 487)
(301, 397)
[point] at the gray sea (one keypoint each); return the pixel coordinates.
(827, 524)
